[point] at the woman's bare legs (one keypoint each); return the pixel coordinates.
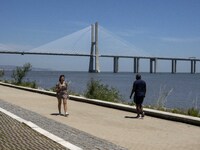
(59, 106)
(65, 106)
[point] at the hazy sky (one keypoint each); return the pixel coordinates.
(168, 28)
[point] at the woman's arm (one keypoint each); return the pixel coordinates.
(57, 88)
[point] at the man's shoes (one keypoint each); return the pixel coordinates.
(142, 114)
(138, 116)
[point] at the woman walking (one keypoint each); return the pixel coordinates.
(62, 95)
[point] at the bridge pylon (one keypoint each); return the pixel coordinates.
(94, 48)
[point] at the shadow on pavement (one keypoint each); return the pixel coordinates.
(131, 117)
(55, 114)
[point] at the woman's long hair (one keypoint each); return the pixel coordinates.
(61, 77)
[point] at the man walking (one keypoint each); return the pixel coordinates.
(139, 90)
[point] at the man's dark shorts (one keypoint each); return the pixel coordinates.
(138, 99)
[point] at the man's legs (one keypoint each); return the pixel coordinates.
(138, 110)
(141, 110)
(138, 101)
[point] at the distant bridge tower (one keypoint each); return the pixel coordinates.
(94, 47)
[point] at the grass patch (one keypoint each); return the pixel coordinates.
(190, 112)
(193, 112)
(32, 84)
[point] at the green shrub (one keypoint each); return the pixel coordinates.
(6, 81)
(1, 73)
(20, 72)
(179, 111)
(97, 90)
(52, 89)
(193, 112)
(29, 84)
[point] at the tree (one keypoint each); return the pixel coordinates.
(20, 72)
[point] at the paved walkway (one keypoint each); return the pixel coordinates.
(18, 136)
(94, 127)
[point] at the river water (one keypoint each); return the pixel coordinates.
(179, 90)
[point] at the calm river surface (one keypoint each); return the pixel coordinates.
(181, 90)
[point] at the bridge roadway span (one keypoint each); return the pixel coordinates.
(136, 68)
(95, 127)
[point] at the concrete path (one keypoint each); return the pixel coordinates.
(118, 127)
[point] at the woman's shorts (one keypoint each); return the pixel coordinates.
(62, 95)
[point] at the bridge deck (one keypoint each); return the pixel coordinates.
(88, 55)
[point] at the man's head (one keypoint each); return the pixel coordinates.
(138, 76)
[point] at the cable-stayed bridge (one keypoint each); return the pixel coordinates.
(94, 42)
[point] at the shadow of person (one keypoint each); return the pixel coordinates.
(55, 114)
(131, 117)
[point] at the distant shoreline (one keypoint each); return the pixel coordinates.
(12, 67)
